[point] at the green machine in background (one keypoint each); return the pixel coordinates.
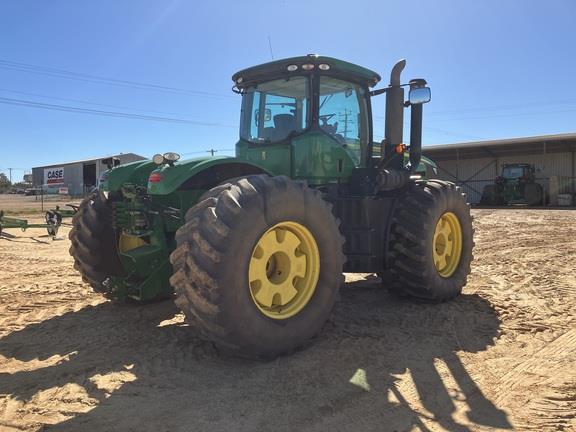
(254, 246)
(516, 185)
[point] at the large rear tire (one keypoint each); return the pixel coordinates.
(489, 195)
(258, 265)
(431, 242)
(533, 194)
(94, 242)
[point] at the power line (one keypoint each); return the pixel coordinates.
(78, 110)
(86, 102)
(212, 151)
(501, 107)
(436, 130)
(504, 115)
(66, 74)
(450, 133)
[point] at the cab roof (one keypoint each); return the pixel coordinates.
(279, 68)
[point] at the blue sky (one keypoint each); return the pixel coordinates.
(496, 68)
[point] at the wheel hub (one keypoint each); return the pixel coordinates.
(447, 247)
(284, 270)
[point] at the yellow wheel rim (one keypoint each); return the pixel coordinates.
(128, 242)
(284, 270)
(447, 244)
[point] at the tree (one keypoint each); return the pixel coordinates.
(4, 183)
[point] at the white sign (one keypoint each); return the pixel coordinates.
(53, 176)
(63, 191)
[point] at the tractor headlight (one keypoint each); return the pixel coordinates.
(291, 68)
(158, 159)
(171, 157)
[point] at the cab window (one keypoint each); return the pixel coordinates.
(513, 172)
(275, 110)
(343, 114)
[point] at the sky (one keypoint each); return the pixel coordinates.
(497, 69)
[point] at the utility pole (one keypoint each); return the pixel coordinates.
(270, 46)
(212, 151)
(344, 118)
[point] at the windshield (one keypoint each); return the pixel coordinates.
(274, 110)
(513, 172)
(342, 114)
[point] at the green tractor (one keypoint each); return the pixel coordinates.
(516, 185)
(255, 246)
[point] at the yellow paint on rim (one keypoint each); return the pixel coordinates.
(284, 270)
(447, 244)
(128, 242)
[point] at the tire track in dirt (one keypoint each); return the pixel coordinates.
(553, 372)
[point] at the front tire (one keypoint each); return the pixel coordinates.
(94, 242)
(258, 265)
(431, 243)
(489, 195)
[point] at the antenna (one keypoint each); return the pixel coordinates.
(270, 46)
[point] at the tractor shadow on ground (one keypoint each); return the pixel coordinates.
(12, 238)
(178, 382)
(6, 236)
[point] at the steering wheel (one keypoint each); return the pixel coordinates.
(324, 118)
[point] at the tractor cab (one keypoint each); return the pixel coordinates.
(311, 115)
(518, 172)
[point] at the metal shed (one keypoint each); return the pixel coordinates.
(77, 177)
(474, 165)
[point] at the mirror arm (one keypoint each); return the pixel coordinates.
(416, 128)
(379, 91)
(385, 89)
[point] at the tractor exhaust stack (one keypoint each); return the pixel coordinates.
(393, 132)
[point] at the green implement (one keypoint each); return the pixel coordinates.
(53, 222)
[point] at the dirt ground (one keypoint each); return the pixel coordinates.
(500, 357)
(15, 204)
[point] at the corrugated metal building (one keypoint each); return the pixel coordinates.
(79, 177)
(474, 165)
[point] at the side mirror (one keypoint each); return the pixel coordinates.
(419, 95)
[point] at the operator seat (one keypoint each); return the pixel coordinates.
(283, 125)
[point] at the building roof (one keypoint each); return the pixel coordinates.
(134, 155)
(565, 142)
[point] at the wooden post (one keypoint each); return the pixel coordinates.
(573, 176)
(554, 188)
(457, 166)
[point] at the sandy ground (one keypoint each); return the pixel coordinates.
(500, 357)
